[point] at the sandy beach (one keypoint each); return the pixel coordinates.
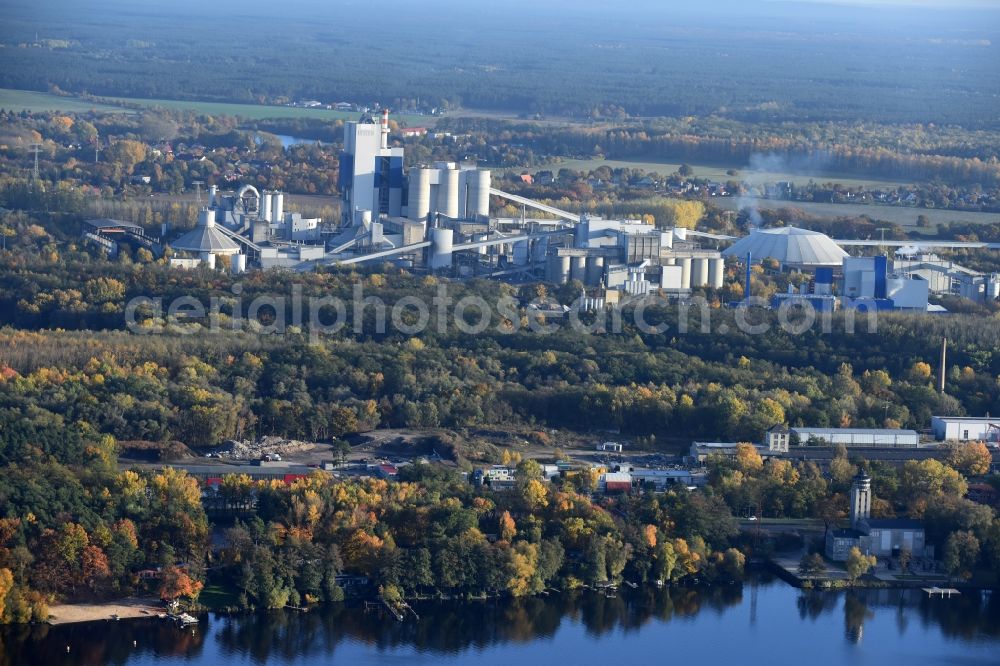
(123, 608)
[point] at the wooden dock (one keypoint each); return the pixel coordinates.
(940, 591)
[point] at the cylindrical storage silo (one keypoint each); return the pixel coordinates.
(670, 261)
(239, 264)
(564, 270)
(553, 268)
(208, 258)
(277, 207)
(448, 193)
(595, 269)
(521, 253)
(265, 206)
(420, 194)
(442, 242)
(699, 272)
(578, 268)
(993, 287)
(716, 273)
(685, 263)
(479, 193)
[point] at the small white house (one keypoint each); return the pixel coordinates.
(610, 447)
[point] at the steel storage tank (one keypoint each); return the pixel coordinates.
(265, 206)
(277, 207)
(716, 273)
(479, 193)
(420, 194)
(578, 268)
(442, 242)
(685, 263)
(448, 193)
(239, 264)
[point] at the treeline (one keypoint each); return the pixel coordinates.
(432, 533)
(875, 152)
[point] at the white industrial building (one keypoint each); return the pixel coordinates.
(870, 280)
(966, 428)
(857, 437)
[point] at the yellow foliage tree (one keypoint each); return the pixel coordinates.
(508, 529)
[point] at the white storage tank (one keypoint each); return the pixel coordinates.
(277, 207)
(578, 268)
(993, 287)
(420, 194)
(265, 206)
(448, 193)
(699, 272)
(557, 269)
(479, 193)
(716, 273)
(685, 263)
(442, 244)
(239, 264)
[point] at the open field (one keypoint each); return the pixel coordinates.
(719, 172)
(27, 100)
(902, 215)
(38, 101)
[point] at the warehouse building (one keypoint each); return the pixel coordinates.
(966, 428)
(856, 437)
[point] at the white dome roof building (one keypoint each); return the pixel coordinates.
(791, 246)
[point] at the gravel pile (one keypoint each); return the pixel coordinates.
(255, 450)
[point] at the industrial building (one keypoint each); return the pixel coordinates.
(869, 282)
(436, 218)
(854, 437)
(882, 538)
(792, 247)
(966, 428)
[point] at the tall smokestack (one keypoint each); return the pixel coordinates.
(746, 286)
(944, 361)
(385, 128)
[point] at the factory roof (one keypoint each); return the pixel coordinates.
(855, 431)
(206, 238)
(789, 245)
(106, 223)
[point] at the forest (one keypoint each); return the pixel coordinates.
(593, 62)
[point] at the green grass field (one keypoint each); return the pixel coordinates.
(27, 100)
(904, 216)
(719, 172)
(37, 101)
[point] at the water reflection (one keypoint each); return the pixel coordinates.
(450, 628)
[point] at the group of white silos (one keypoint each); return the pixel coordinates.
(700, 271)
(272, 206)
(445, 190)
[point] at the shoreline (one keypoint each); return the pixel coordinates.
(129, 608)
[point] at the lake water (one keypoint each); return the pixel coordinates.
(287, 141)
(764, 621)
